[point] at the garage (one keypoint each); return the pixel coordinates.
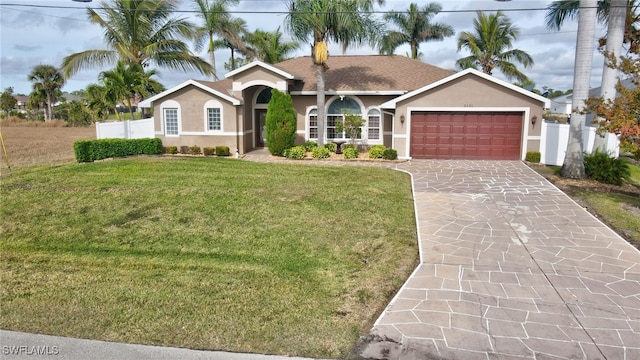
(466, 135)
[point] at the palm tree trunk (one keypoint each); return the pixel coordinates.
(320, 102)
(615, 38)
(233, 60)
(212, 59)
(48, 116)
(573, 166)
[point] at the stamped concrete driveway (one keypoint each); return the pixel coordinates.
(511, 268)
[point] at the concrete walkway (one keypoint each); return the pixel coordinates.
(511, 268)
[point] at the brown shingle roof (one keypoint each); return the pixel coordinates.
(366, 73)
(223, 86)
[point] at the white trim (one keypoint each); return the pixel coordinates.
(280, 85)
(265, 66)
(211, 133)
(306, 121)
(149, 102)
(525, 124)
(213, 104)
(351, 92)
(391, 104)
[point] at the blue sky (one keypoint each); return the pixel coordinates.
(34, 34)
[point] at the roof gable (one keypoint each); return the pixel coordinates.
(206, 86)
(265, 66)
(392, 103)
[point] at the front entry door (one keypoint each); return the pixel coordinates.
(261, 127)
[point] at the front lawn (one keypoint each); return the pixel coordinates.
(205, 253)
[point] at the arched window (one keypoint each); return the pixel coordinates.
(373, 124)
(336, 114)
(264, 96)
(313, 124)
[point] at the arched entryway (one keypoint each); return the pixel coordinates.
(260, 116)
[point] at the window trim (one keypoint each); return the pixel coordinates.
(166, 105)
(213, 104)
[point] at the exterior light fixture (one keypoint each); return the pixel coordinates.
(402, 119)
(534, 119)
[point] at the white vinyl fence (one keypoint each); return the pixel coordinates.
(128, 129)
(554, 138)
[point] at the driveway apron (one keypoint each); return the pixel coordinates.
(511, 268)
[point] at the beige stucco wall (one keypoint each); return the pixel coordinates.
(191, 103)
(470, 93)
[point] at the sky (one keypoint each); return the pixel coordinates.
(36, 32)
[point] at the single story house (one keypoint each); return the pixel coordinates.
(420, 110)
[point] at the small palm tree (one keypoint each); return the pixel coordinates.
(269, 46)
(491, 46)
(127, 82)
(141, 32)
(415, 27)
(215, 17)
(342, 21)
(95, 98)
(47, 82)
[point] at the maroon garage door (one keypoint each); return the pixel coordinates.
(466, 135)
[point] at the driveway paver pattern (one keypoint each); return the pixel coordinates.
(511, 268)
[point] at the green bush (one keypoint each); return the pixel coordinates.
(320, 153)
(91, 150)
(296, 152)
(331, 147)
(184, 149)
(350, 152)
(310, 145)
(171, 150)
(194, 150)
(390, 154)
(601, 167)
(533, 156)
(209, 151)
(280, 123)
(222, 151)
(377, 151)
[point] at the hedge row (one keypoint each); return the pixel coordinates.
(91, 150)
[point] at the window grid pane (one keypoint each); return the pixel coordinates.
(313, 126)
(213, 119)
(171, 121)
(374, 127)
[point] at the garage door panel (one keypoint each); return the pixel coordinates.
(466, 135)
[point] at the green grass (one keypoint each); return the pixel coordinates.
(205, 253)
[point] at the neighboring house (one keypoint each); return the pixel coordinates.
(22, 103)
(562, 104)
(418, 109)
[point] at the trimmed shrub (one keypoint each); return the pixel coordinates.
(310, 145)
(280, 123)
(91, 150)
(331, 147)
(194, 150)
(296, 152)
(320, 153)
(533, 156)
(222, 151)
(171, 150)
(209, 151)
(390, 154)
(376, 151)
(350, 152)
(184, 149)
(601, 167)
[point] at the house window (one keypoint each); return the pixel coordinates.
(264, 96)
(171, 121)
(336, 114)
(313, 124)
(214, 121)
(373, 124)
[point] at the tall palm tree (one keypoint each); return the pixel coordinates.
(233, 38)
(47, 80)
(491, 46)
(127, 82)
(573, 166)
(269, 46)
(342, 21)
(215, 16)
(142, 32)
(415, 27)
